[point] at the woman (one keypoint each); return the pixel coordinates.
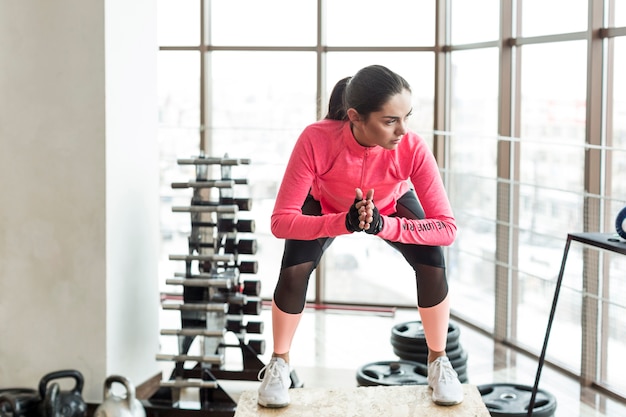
(363, 144)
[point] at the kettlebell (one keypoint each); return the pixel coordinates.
(18, 402)
(58, 403)
(114, 406)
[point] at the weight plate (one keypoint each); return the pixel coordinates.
(461, 372)
(512, 400)
(463, 378)
(412, 333)
(390, 373)
(457, 357)
(620, 223)
(419, 347)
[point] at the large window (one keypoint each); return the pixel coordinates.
(472, 142)
(522, 103)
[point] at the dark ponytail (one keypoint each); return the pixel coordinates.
(366, 92)
(336, 106)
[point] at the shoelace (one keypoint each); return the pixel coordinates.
(446, 372)
(272, 370)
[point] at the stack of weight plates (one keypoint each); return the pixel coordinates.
(389, 373)
(409, 343)
(512, 400)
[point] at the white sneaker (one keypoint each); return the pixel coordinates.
(274, 389)
(444, 381)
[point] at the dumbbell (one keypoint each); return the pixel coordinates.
(252, 287)
(229, 225)
(202, 160)
(244, 267)
(206, 208)
(236, 225)
(249, 287)
(244, 204)
(237, 326)
(240, 246)
(248, 267)
(256, 345)
(252, 307)
(204, 184)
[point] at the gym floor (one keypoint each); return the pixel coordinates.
(332, 344)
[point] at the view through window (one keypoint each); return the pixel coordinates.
(513, 120)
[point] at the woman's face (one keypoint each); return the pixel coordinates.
(386, 127)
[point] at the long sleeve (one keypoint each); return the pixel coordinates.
(288, 221)
(328, 163)
(438, 228)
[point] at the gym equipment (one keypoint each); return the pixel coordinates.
(620, 223)
(114, 406)
(58, 403)
(19, 402)
(411, 335)
(389, 373)
(458, 360)
(215, 298)
(512, 400)
(409, 343)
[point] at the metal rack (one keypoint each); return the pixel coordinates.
(213, 297)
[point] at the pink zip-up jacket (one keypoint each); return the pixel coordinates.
(328, 162)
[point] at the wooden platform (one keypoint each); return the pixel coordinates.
(394, 401)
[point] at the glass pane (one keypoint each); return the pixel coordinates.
(473, 152)
(258, 112)
(179, 88)
(619, 12)
(540, 17)
(270, 22)
(553, 80)
(553, 97)
(179, 137)
(616, 323)
(618, 151)
(474, 21)
(368, 23)
(354, 275)
(535, 302)
(474, 80)
(178, 22)
(416, 68)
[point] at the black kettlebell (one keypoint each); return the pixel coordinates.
(58, 403)
(18, 402)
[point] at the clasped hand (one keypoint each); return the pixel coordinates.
(363, 214)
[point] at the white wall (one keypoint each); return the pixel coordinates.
(79, 188)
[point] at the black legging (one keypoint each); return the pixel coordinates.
(301, 257)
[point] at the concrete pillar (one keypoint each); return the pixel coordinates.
(79, 228)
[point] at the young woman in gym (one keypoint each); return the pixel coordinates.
(363, 149)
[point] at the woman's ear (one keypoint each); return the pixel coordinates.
(353, 115)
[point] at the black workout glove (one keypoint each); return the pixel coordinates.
(352, 218)
(377, 223)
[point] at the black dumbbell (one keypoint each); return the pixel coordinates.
(252, 307)
(240, 246)
(244, 204)
(237, 326)
(235, 225)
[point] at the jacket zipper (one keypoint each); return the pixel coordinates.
(363, 165)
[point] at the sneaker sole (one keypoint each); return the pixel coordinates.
(447, 403)
(271, 405)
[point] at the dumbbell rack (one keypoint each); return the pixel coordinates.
(214, 298)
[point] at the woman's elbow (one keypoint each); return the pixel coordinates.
(276, 229)
(451, 235)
